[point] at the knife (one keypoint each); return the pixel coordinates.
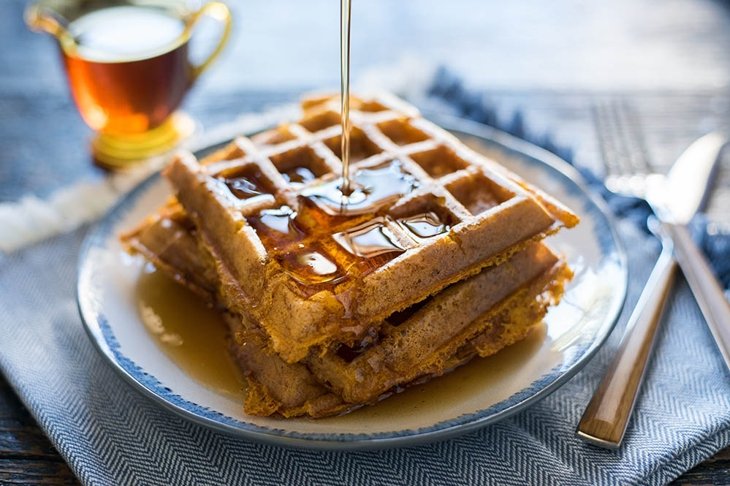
(675, 199)
(675, 202)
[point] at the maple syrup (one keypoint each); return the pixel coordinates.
(373, 188)
(190, 332)
(245, 183)
(345, 17)
(369, 239)
(130, 69)
(425, 225)
(298, 176)
(276, 227)
(243, 188)
(310, 267)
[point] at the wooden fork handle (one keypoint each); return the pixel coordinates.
(704, 285)
(607, 415)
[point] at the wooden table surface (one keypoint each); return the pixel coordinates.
(678, 53)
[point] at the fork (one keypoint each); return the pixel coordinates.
(628, 172)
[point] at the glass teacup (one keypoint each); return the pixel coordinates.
(128, 68)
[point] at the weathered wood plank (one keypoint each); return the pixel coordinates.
(36, 471)
(26, 454)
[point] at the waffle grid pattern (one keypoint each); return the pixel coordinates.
(273, 208)
(452, 187)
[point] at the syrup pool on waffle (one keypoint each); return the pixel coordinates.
(425, 225)
(372, 189)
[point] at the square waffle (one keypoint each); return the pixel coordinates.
(436, 213)
(495, 308)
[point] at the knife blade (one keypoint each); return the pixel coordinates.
(678, 196)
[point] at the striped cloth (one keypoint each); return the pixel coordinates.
(110, 434)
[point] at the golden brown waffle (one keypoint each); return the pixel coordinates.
(411, 342)
(487, 312)
(168, 240)
(294, 389)
(437, 213)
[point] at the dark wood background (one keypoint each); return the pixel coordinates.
(553, 61)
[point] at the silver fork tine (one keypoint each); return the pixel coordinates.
(605, 132)
(623, 150)
(632, 132)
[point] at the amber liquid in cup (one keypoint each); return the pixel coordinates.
(130, 68)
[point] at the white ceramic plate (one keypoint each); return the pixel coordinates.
(481, 393)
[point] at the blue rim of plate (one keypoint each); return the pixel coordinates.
(103, 339)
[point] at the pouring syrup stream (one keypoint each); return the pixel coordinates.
(345, 95)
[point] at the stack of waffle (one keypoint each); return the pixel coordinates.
(436, 259)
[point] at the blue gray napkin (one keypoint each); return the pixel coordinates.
(110, 434)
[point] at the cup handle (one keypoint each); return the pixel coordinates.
(220, 12)
(40, 18)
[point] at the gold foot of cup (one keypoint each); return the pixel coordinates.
(118, 152)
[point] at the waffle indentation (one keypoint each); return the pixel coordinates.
(310, 266)
(361, 147)
(246, 182)
(369, 245)
(273, 137)
(439, 161)
(372, 106)
(478, 193)
(277, 228)
(424, 218)
(299, 165)
(320, 121)
(401, 132)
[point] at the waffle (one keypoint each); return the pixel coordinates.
(168, 240)
(311, 277)
(339, 382)
(487, 312)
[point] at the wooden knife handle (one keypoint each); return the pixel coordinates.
(704, 285)
(607, 415)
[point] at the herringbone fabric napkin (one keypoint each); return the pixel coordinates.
(110, 434)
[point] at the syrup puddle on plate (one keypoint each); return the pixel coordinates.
(194, 336)
(189, 332)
